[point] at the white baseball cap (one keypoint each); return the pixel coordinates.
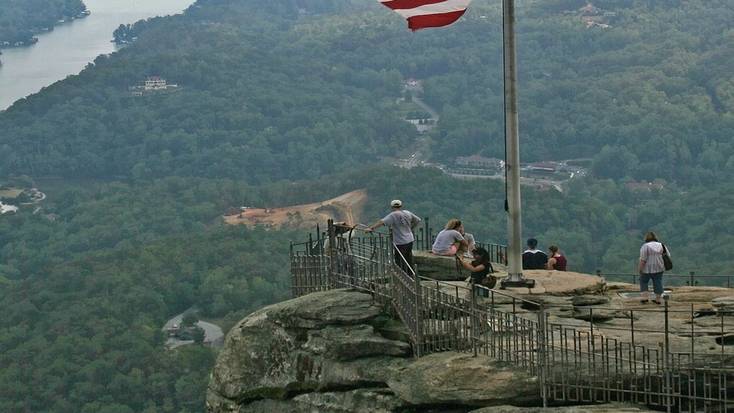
(396, 203)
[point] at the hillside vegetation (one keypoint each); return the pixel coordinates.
(314, 88)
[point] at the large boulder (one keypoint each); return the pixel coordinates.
(322, 341)
(459, 379)
(438, 267)
(335, 352)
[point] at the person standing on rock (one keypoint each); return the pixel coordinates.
(651, 267)
(533, 258)
(401, 222)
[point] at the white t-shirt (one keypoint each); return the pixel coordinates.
(469, 239)
(652, 254)
(445, 239)
(401, 223)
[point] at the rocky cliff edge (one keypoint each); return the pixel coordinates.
(337, 351)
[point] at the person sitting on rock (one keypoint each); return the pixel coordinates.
(471, 243)
(557, 261)
(450, 241)
(533, 258)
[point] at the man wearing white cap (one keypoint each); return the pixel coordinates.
(401, 223)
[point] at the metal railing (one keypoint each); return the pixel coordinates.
(690, 279)
(592, 362)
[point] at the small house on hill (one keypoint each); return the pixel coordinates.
(151, 85)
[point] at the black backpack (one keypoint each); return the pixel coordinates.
(667, 262)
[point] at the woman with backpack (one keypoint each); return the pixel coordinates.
(653, 257)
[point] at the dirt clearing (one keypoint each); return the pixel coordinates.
(346, 208)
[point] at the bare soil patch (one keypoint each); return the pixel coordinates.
(344, 208)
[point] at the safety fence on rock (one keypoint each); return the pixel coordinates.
(580, 363)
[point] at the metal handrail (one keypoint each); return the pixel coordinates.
(692, 279)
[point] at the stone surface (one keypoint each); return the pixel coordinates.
(698, 294)
(438, 267)
(724, 304)
(562, 283)
(302, 345)
(593, 314)
(351, 342)
(324, 353)
(584, 300)
(337, 351)
(460, 379)
(377, 400)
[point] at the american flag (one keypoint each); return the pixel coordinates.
(428, 13)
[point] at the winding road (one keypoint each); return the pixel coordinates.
(213, 334)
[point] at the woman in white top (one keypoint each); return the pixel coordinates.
(450, 241)
(651, 267)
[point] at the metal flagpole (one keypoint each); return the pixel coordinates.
(512, 161)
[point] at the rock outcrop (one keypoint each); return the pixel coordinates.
(337, 351)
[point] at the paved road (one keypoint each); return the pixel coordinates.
(212, 333)
(418, 101)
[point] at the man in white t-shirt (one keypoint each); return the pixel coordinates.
(651, 267)
(401, 222)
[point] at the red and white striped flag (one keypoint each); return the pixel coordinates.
(428, 13)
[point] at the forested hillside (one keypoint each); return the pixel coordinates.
(21, 19)
(85, 296)
(294, 101)
(305, 84)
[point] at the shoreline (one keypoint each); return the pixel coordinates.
(10, 44)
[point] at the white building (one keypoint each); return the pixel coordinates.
(155, 83)
(6, 209)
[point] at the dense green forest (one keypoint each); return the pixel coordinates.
(85, 296)
(21, 19)
(313, 88)
(294, 101)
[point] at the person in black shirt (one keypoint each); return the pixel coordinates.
(481, 270)
(533, 258)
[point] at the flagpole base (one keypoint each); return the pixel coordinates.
(521, 283)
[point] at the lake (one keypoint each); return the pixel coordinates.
(70, 46)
